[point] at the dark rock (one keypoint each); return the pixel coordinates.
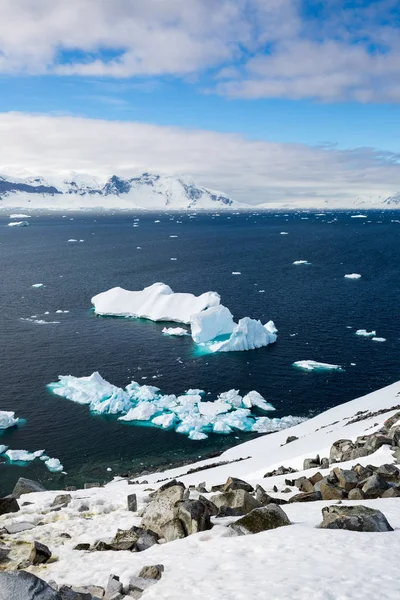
(315, 478)
(201, 488)
(21, 585)
(389, 472)
(287, 491)
(152, 572)
(135, 538)
(40, 553)
(212, 509)
(354, 518)
(374, 487)
(82, 546)
(393, 492)
(357, 453)
(61, 500)
(261, 495)
(291, 438)
(4, 552)
(396, 455)
(88, 486)
(260, 519)
(311, 497)
(356, 494)
(173, 530)
(8, 504)
(218, 488)
(194, 516)
(70, 488)
(362, 472)
(376, 441)
(233, 483)
(339, 449)
(239, 499)
(280, 471)
(132, 502)
(26, 486)
(69, 592)
(146, 540)
(275, 489)
(227, 511)
(83, 508)
(324, 463)
(65, 535)
(331, 492)
(311, 463)
(346, 479)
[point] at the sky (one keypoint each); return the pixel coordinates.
(266, 100)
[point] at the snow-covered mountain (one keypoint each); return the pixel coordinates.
(148, 191)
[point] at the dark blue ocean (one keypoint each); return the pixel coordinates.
(314, 302)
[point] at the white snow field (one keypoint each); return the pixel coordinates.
(8, 419)
(353, 276)
(313, 365)
(187, 414)
(298, 561)
(156, 302)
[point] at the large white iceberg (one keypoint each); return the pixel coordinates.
(211, 323)
(8, 419)
(156, 302)
(313, 365)
(188, 413)
(248, 334)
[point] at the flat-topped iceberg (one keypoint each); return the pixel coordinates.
(188, 413)
(23, 455)
(8, 419)
(156, 302)
(313, 365)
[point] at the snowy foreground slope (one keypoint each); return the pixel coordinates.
(298, 561)
(148, 191)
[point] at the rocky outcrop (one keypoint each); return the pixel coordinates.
(354, 518)
(260, 519)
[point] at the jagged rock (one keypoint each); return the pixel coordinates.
(146, 540)
(139, 584)
(315, 478)
(227, 511)
(340, 449)
(26, 486)
(163, 508)
(132, 502)
(357, 453)
(88, 486)
(374, 486)
(388, 472)
(261, 495)
(239, 499)
(291, 438)
(346, 479)
(40, 553)
(218, 488)
(114, 586)
(280, 471)
(331, 492)
(152, 572)
(260, 519)
(8, 504)
(173, 530)
(376, 441)
(324, 463)
(354, 518)
(135, 538)
(61, 500)
(172, 490)
(233, 483)
(304, 485)
(18, 527)
(201, 488)
(393, 492)
(362, 472)
(311, 463)
(194, 516)
(356, 494)
(82, 546)
(311, 497)
(212, 509)
(4, 552)
(21, 585)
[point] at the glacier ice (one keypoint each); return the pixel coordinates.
(312, 365)
(179, 331)
(187, 413)
(211, 323)
(365, 333)
(248, 334)
(353, 276)
(8, 419)
(156, 302)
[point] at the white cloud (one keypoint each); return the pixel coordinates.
(250, 171)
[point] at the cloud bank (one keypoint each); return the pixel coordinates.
(249, 171)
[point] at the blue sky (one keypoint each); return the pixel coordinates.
(325, 75)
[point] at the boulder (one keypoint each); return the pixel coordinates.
(376, 441)
(82, 546)
(331, 492)
(362, 472)
(315, 478)
(70, 592)
(135, 538)
(261, 495)
(212, 509)
(61, 500)
(280, 471)
(324, 463)
(19, 527)
(201, 488)
(374, 486)
(26, 486)
(233, 483)
(394, 433)
(389, 472)
(21, 585)
(132, 502)
(339, 450)
(354, 518)
(260, 519)
(356, 494)
(239, 499)
(304, 485)
(291, 438)
(346, 479)
(8, 504)
(194, 516)
(311, 463)
(152, 572)
(172, 491)
(311, 497)
(4, 552)
(138, 585)
(40, 553)
(162, 509)
(114, 586)
(393, 492)
(227, 511)
(173, 530)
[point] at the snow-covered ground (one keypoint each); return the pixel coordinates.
(298, 561)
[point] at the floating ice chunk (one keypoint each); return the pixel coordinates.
(37, 285)
(18, 224)
(236, 273)
(197, 435)
(3, 448)
(20, 216)
(358, 216)
(211, 409)
(8, 419)
(301, 262)
(173, 259)
(353, 276)
(312, 365)
(173, 236)
(378, 339)
(365, 333)
(23, 455)
(248, 334)
(156, 302)
(284, 233)
(40, 321)
(194, 392)
(232, 397)
(266, 425)
(72, 240)
(54, 465)
(175, 331)
(253, 398)
(221, 427)
(143, 412)
(211, 323)
(166, 421)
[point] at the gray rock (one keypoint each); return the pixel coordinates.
(212, 509)
(389, 472)
(311, 497)
(201, 488)
(311, 463)
(396, 455)
(362, 472)
(82, 546)
(331, 492)
(114, 586)
(69, 592)
(374, 487)
(315, 478)
(218, 488)
(21, 585)
(8, 504)
(304, 485)
(239, 499)
(346, 479)
(356, 453)
(135, 538)
(40, 553)
(227, 511)
(194, 516)
(356, 494)
(339, 449)
(96, 591)
(393, 492)
(324, 463)
(18, 527)
(67, 536)
(173, 530)
(394, 433)
(291, 438)
(186, 494)
(172, 490)
(233, 483)
(376, 441)
(261, 496)
(139, 584)
(4, 552)
(26, 486)
(146, 540)
(160, 511)
(260, 519)
(152, 572)
(132, 502)
(88, 486)
(70, 488)
(354, 518)
(61, 500)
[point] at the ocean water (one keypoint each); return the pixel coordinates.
(315, 309)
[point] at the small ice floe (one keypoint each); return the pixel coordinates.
(365, 333)
(3, 448)
(18, 224)
(312, 365)
(23, 455)
(81, 241)
(284, 233)
(109, 469)
(37, 285)
(158, 221)
(72, 241)
(173, 259)
(261, 291)
(378, 339)
(54, 465)
(59, 311)
(173, 236)
(39, 321)
(236, 273)
(179, 331)
(301, 262)
(358, 216)
(353, 276)
(8, 419)
(20, 216)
